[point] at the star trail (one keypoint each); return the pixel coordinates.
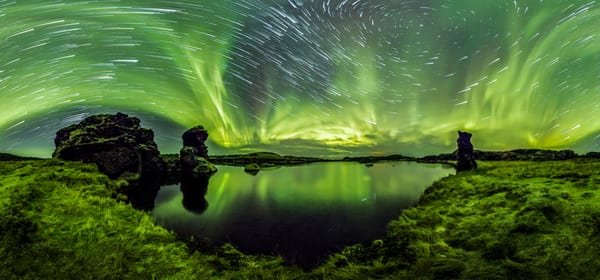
(306, 77)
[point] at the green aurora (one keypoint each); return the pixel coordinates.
(306, 77)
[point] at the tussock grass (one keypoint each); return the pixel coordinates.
(58, 220)
(505, 220)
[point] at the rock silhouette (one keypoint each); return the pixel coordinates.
(193, 156)
(464, 155)
(194, 194)
(120, 147)
(195, 138)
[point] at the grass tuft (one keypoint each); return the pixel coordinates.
(505, 220)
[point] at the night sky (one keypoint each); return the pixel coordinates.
(306, 77)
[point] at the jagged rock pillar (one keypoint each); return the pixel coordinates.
(194, 154)
(464, 155)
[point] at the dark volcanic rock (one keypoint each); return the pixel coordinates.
(172, 173)
(116, 143)
(464, 155)
(193, 156)
(195, 138)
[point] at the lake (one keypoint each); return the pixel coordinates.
(302, 213)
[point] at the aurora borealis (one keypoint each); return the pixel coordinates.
(306, 77)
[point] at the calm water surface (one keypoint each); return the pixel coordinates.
(303, 213)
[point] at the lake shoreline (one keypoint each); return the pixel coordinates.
(520, 219)
(302, 212)
(270, 158)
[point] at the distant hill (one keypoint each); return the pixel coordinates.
(10, 157)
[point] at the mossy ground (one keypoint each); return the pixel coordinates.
(58, 220)
(505, 220)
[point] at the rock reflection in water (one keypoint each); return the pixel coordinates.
(302, 213)
(142, 197)
(194, 194)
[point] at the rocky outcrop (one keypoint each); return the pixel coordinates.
(193, 156)
(195, 138)
(172, 173)
(120, 147)
(464, 155)
(252, 168)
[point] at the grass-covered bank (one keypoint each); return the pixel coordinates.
(506, 220)
(58, 221)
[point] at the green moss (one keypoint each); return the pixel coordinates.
(252, 167)
(517, 220)
(58, 220)
(204, 166)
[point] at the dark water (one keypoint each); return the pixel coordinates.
(302, 213)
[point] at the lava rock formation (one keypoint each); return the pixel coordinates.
(464, 155)
(120, 147)
(194, 154)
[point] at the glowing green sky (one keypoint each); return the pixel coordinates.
(306, 77)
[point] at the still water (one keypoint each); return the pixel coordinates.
(302, 213)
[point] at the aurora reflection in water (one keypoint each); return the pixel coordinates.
(303, 212)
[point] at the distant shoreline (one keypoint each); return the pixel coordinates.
(489, 221)
(269, 158)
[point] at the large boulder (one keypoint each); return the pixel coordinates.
(193, 156)
(120, 147)
(464, 155)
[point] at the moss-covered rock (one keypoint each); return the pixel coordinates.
(193, 157)
(252, 168)
(193, 165)
(116, 143)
